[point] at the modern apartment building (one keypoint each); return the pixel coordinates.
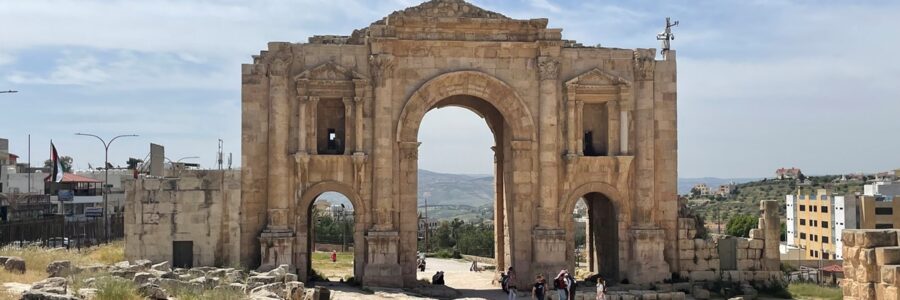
(815, 220)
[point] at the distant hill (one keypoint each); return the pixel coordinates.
(456, 189)
(685, 184)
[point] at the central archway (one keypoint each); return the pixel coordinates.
(515, 182)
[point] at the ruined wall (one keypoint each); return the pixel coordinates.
(871, 264)
(200, 206)
(729, 258)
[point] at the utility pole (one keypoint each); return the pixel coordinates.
(425, 196)
(106, 179)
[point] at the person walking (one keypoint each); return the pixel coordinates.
(561, 285)
(570, 283)
(333, 256)
(601, 288)
(511, 278)
(474, 266)
(539, 289)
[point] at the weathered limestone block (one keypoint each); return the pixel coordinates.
(700, 244)
(757, 233)
(757, 244)
(701, 265)
(884, 291)
(865, 291)
(890, 274)
(189, 183)
(743, 243)
(686, 244)
(686, 254)
(887, 256)
(687, 264)
(741, 254)
(867, 269)
(703, 276)
(872, 238)
(715, 264)
(60, 268)
(14, 264)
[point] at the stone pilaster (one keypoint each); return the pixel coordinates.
(612, 112)
(381, 67)
(579, 124)
(358, 124)
(549, 127)
(549, 253)
(648, 263)
(313, 122)
(382, 256)
(349, 125)
(302, 123)
(771, 225)
(520, 209)
(645, 131)
(277, 239)
(409, 226)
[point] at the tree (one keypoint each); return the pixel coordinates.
(133, 162)
(65, 161)
(740, 225)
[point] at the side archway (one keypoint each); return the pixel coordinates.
(303, 246)
(604, 250)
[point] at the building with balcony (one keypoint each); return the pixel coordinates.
(74, 194)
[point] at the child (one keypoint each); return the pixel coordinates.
(539, 289)
(601, 288)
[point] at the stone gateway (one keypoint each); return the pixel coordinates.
(342, 114)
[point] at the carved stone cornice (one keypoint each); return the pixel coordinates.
(381, 66)
(644, 65)
(548, 67)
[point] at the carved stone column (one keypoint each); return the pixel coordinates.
(358, 130)
(644, 122)
(549, 127)
(348, 123)
(612, 112)
(382, 66)
(572, 129)
(302, 124)
(313, 122)
(579, 123)
(500, 245)
(277, 238)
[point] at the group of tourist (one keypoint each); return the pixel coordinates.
(564, 283)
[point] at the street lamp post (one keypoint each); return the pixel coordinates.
(425, 196)
(106, 179)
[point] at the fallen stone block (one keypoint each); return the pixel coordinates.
(60, 268)
(152, 291)
(14, 264)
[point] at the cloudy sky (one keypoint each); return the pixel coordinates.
(762, 84)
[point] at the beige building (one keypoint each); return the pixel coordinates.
(342, 114)
(815, 221)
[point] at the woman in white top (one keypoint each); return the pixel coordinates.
(601, 288)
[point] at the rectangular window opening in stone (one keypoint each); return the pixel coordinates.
(331, 127)
(596, 129)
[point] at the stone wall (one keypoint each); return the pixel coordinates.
(729, 258)
(871, 264)
(200, 206)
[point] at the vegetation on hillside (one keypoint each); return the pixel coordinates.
(744, 198)
(741, 225)
(464, 238)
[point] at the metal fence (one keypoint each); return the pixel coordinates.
(55, 231)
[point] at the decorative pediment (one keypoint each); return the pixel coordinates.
(597, 77)
(329, 71)
(597, 86)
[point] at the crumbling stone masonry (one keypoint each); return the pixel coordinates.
(200, 209)
(727, 258)
(871, 264)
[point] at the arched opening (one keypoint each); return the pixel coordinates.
(600, 251)
(461, 189)
(332, 240)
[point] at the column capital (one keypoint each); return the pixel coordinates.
(381, 66)
(644, 64)
(348, 101)
(358, 99)
(313, 99)
(548, 67)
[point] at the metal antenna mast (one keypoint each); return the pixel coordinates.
(219, 160)
(667, 36)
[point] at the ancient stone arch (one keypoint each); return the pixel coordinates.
(302, 254)
(568, 120)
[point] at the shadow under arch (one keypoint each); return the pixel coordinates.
(303, 225)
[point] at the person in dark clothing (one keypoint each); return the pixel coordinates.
(539, 289)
